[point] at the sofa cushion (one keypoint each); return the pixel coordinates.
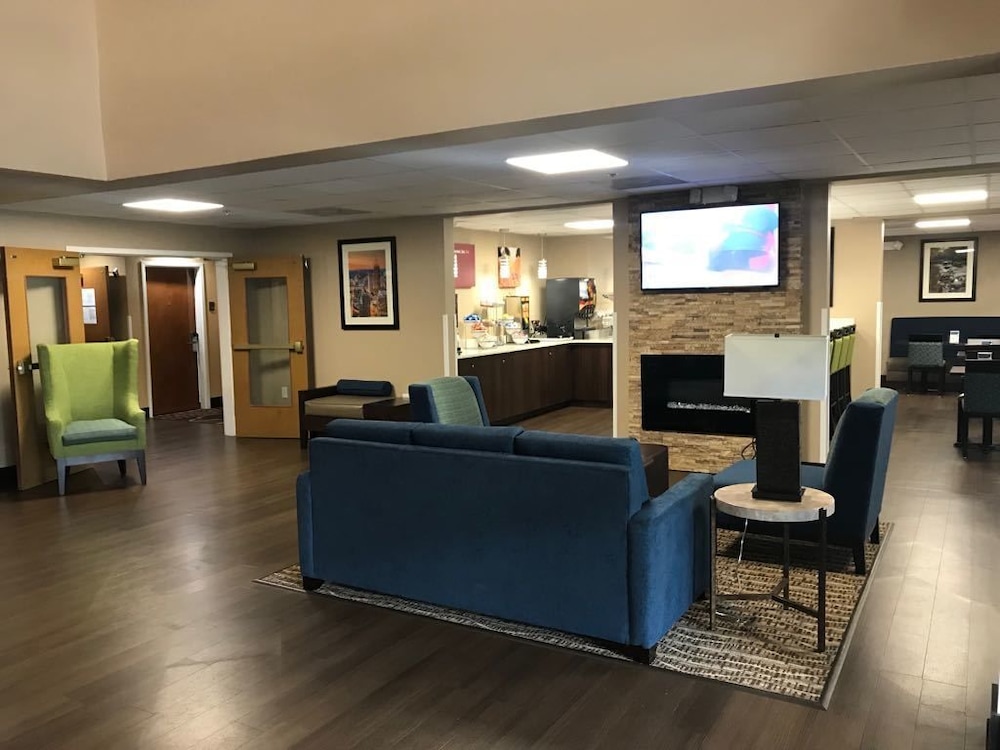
(621, 451)
(618, 451)
(462, 437)
(371, 431)
(98, 431)
(364, 387)
(340, 406)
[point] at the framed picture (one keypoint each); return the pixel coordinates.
(465, 265)
(368, 288)
(948, 270)
(508, 267)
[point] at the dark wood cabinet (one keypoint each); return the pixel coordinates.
(487, 370)
(557, 388)
(592, 374)
(529, 381)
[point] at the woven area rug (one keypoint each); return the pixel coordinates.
(756, 644)
(204, 416)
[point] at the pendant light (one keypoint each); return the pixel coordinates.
(454, 265)
(543, 266)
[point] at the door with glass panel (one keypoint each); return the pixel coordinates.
(270, 363)
(44, 305)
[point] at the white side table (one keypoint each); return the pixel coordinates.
(816, 505)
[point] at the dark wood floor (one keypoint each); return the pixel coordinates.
(129, 620)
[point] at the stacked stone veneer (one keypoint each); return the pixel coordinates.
(697, 323)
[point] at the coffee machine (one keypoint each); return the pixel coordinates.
(569, 305)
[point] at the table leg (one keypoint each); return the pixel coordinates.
(785, 563)
(821, 608)
(712, 550)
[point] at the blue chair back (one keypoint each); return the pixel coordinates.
(449, 400)
(982, 388)
(859, 459)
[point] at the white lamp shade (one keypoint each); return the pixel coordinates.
(781, 367)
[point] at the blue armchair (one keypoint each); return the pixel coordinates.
(854, 474)
(457, 400)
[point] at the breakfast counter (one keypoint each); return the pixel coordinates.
(542, 343)
(522, 380)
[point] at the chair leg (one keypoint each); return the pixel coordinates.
(311, 584)
(303, 439)
(141, 461)
(121, 467)
(859, 558)
(876, 537)
(62, 472)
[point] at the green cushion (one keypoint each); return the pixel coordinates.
(97, 430)
(455, 401)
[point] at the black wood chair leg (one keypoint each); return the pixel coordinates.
(311, 584)
(121, 467)
(640, 654)
(860, 566)
(876, 537)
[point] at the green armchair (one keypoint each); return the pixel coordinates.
(92, 409)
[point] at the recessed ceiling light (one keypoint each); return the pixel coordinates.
(590, 224)
(565, 162)
(173, 205)
(942, 223)
(953, 196)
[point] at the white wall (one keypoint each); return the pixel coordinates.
(584, 255)
(280, 78)
(49, 86)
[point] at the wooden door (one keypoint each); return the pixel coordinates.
(173, 352)
(44, 305)
(267, 299)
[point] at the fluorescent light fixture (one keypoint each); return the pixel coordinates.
(953, 196)
(564, 162)
(590, 224)
(941, 223)
(173, 205)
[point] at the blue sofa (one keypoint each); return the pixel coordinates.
(854, 474)
(552, 530)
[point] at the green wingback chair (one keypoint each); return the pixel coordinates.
(92, 409)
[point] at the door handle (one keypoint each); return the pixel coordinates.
(25, 366)
(295, 346)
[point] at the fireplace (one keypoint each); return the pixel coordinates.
(683, 393)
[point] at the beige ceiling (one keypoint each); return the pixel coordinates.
(800, 131)
(550, 222)
(892, 200)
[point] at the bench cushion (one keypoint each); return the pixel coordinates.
(340, 406)
(98, 431)
(350, 387)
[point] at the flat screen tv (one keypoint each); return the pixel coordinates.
(700, 249)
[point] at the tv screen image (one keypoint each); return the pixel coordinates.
(710, 248)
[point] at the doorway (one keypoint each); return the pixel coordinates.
(172, 338)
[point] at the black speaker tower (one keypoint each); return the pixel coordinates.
(778, 456)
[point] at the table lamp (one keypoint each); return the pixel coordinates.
(779, 370)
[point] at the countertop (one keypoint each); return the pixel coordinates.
(542, 343)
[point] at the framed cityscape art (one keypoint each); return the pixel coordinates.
(948, 270)
(368, 287)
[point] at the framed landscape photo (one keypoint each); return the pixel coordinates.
(948, 270)
(368, 287)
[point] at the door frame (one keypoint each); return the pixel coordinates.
(200, 318)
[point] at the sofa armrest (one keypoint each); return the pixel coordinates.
(668, 558)
(303, 502)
